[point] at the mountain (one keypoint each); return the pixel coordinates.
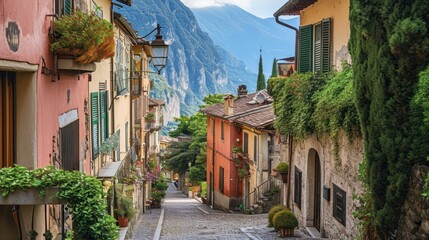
(196, 67)
(243, 34)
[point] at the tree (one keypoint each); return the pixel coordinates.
(194, 152)
(389, 45)
(260, 85)
(274, 70)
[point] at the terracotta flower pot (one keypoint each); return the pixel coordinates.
(122, 221)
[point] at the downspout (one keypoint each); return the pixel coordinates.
(296, 38)
(112, 123)
(213, 164)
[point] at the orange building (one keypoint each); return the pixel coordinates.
(226, 186)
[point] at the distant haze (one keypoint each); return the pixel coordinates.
(259, 8)
(243, 34)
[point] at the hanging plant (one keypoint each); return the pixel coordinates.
(84, 195)
(84, 36)
(110, 144)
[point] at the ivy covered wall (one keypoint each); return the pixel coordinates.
(389, 45)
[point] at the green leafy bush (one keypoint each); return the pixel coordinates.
(285, 219)
(283, 167)
(84, 195)
(125, 206)
(275, 209)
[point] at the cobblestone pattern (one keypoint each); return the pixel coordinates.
(188, 219)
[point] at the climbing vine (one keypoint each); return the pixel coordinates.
(315, 103)
(84, 195)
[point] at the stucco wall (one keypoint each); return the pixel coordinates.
(340, 170)
(338, 11)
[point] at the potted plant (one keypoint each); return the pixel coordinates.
(84, 37)
(125, 209)
(275, 209)
(286, 222)
(235, 151)
(283, 169)
(150, 117)
(156, 197)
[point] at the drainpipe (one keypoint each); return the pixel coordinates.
(112, 96)
(296, 38)
(213, 166)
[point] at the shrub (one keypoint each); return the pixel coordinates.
(275, 209)
(125, 207)
(282, 167)
(285, 219)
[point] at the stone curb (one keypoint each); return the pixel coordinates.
(157, 235)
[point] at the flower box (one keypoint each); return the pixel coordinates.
(32, 197)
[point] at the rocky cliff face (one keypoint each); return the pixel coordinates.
(196, 67)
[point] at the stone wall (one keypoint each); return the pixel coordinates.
(414, 221)
(339, 161)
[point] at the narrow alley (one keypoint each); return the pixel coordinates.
(186, 218)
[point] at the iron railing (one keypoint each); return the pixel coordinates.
(265, 195)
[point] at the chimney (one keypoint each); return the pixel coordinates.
(228, 105)
(242, 91)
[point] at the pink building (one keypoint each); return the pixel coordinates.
(43, 102)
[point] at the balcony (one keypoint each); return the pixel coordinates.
(32, 197)
(76, 55)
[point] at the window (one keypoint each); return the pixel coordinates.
(221, 179)
(339, 205)
(94, 125)
(121, 69)
(96, 9)
(297, 187)
(246, 143)
(104, 126)
(126, 136)
(118, 150)
(255, 149)
(7, 126)
(212, 125)
(221, 131)
(315, 47)
(70, 146)
(64, 7)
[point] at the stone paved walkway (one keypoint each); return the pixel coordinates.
(188, 219)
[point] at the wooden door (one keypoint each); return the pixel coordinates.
(7, 126)
(317, 192)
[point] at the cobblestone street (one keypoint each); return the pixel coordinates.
(187, 218)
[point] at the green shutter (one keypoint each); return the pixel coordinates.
(305, 49)
(67, 7)
(94, 125)
(317, 48)
(103, 116)
(326, 45)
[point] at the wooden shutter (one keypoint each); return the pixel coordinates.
(255, 148)
(305, 49)
(326, 45)
(68, 7)
(297, 187)
(7, 107)
(318, 47)
(339, 205)
(104, 129)
(222, 131)
(221, 179)
(70, 146)
(94, 125)
(246, 143)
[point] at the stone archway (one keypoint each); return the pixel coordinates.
(313, 193)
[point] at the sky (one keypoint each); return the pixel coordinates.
(260, 8)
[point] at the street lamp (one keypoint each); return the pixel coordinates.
(160, 50)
